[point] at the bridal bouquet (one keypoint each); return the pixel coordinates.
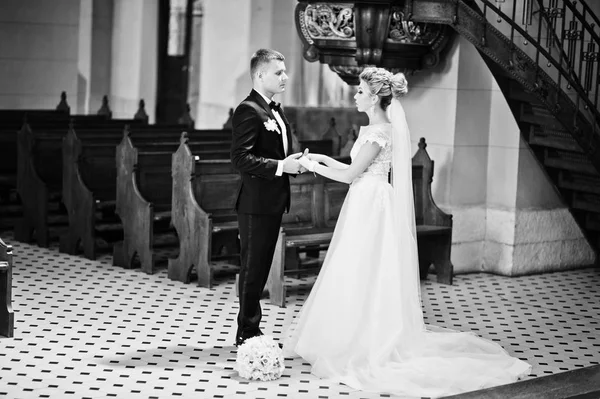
(260, 358)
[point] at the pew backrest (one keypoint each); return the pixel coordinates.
(213, 182)
(426, 210)
(7, 321)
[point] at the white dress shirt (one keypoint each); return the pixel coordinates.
(283, 132)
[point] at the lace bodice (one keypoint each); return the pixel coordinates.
(382, 135)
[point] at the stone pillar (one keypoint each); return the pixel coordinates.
(469, 174)
(94, 59)
(84, 57)
(225, 55)
(134, 57)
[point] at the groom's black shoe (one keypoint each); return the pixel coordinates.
(239, 340)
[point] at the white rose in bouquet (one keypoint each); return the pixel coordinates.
(260, 358)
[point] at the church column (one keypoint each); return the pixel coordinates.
(469, 170)
(134, 57)
(225, 55)
(84, 58)
(94, 59)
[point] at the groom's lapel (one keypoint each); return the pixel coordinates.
(261, 101)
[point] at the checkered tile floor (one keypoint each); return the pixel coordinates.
(86, 329)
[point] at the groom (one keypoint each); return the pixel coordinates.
(259, 151)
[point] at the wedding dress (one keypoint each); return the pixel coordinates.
(362, 323)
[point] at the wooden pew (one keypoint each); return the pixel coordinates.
(7, 321)
(144, 194)
(38, 182)
(139, 213)
(39, 174)
(204, 195)
(316, 203)
(89, 175)
(434, 226)
(98, 177)
(88, 188)
(11, 122)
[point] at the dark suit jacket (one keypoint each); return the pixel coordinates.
(255, 151)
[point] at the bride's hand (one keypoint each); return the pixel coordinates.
(315, 157)
(307, 163)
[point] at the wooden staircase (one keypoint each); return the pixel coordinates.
(543, 55)
(565, 162)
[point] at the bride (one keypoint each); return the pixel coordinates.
(362, 324)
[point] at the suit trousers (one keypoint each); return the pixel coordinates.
(258, 238)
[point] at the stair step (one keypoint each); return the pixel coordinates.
(554, 138)
(592, 221)
(568, 160)
(10, 210)
(57, 231)
(58, 220)
(586, 202)
(515, 91)
(538, 115)
(579, 182)
(8, 223)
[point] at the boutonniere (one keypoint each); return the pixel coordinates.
(271, 125)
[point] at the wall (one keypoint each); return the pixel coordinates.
(38, 53)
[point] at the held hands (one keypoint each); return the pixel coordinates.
(300, 162)
(307, 162)
(291, 165)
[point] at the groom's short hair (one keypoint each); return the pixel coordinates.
(262, 57)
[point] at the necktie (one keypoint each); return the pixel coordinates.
(275, 106)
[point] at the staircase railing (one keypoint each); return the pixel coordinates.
(549, 46)
(576, 48)
(568, 53)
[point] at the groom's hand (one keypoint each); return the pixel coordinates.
(302, 168)
(307, 163)
(291, 165)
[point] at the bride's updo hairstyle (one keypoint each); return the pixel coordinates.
(384, 84)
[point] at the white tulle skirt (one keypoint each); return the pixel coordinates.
(362, 323)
